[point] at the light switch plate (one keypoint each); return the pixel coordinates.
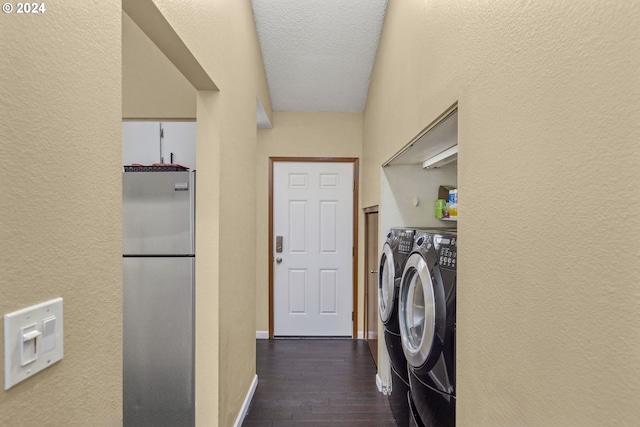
(18, 332)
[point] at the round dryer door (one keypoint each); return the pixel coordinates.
(417, 311)
(386, 283)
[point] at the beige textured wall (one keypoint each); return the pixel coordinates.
(300, 134)
(152, 87)
(222, 37)
(548, 321)
(208, 260)
(60, 215)
(263, 87)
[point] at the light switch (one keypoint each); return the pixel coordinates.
(30, 347)
(32, 340)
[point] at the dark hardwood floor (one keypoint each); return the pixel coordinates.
(316, 382)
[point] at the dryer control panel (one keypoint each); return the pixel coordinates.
(447, 251)
(405, 243)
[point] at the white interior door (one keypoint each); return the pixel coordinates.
(313, 271)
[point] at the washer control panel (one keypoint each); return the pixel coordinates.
(447, 251)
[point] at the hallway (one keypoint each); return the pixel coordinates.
(316, 382)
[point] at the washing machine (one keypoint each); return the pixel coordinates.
(395, 251)
(427, 320)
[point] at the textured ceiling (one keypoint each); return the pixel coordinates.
(318, 54)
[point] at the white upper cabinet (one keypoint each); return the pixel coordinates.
(149, 142)
(179, 143)
(140, 143)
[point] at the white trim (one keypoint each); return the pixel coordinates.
(360, 335)
(247, 402)
(262, 335)
(379, 383)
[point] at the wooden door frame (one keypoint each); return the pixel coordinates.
(367, 211)
(354, 258)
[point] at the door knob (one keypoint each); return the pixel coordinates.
(373, 271)
(278, 260)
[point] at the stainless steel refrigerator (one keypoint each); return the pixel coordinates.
(159, 271)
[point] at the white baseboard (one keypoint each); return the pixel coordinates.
(360, 335)
(246, 403)
(379, 383)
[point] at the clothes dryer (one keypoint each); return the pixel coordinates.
(427, 320)
(414, 418)
(395, 251)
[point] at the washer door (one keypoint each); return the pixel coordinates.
(386, 283)
(417, 306)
